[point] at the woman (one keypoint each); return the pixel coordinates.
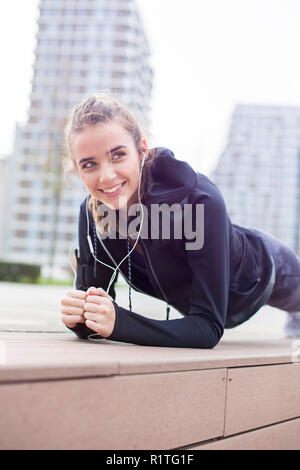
(217, 274)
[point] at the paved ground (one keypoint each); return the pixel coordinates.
(35, 308)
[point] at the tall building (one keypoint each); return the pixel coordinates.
(82, 46)
(4, 175)
(259, 170)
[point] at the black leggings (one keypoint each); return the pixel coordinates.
(286, 291)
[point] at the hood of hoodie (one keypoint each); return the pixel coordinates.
(169, 180)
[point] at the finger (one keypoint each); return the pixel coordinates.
(98, 328)
(93, 325)
(72, 320)
(97, 299)
(98, 291)
(72, 302)
(77, 294)
(93, 307)
(92, 316)
(67, 310)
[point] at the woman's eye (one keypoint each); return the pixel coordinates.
(118, 155)
(87, 165)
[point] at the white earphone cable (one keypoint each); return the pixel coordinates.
(141, 224)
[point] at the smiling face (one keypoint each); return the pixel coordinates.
(108, 163)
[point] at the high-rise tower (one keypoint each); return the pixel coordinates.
(259, 170)
(82, 46)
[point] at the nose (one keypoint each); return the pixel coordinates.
(107, 174)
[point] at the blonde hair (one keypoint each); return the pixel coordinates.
(100, 108)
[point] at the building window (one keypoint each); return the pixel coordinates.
(69, 237)
(123, 12)
(23, 200)
(50, 12)
(69, 12)
(25, 184)
(22, 217)
(20, 233)
(68, 27)
(82, 12)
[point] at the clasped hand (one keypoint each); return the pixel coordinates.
(93, 307)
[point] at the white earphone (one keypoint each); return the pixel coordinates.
(144, 157)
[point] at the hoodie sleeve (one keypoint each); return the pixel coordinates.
(204, 325)
(88, 272)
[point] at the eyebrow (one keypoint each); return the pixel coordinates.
(114, 149)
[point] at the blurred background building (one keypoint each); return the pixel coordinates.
(259, 170)
(82, 46)
(4, 175)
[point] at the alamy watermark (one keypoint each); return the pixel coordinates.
(160, 221)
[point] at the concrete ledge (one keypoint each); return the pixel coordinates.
(59, 392)
(40, 356)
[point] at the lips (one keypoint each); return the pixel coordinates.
(113, 189)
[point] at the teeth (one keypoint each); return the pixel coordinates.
(115, 188)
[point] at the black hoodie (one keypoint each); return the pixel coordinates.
(217, 286)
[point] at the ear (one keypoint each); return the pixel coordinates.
(144, 146)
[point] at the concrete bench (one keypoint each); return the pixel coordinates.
(59, 392)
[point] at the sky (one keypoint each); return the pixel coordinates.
(207, 57)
